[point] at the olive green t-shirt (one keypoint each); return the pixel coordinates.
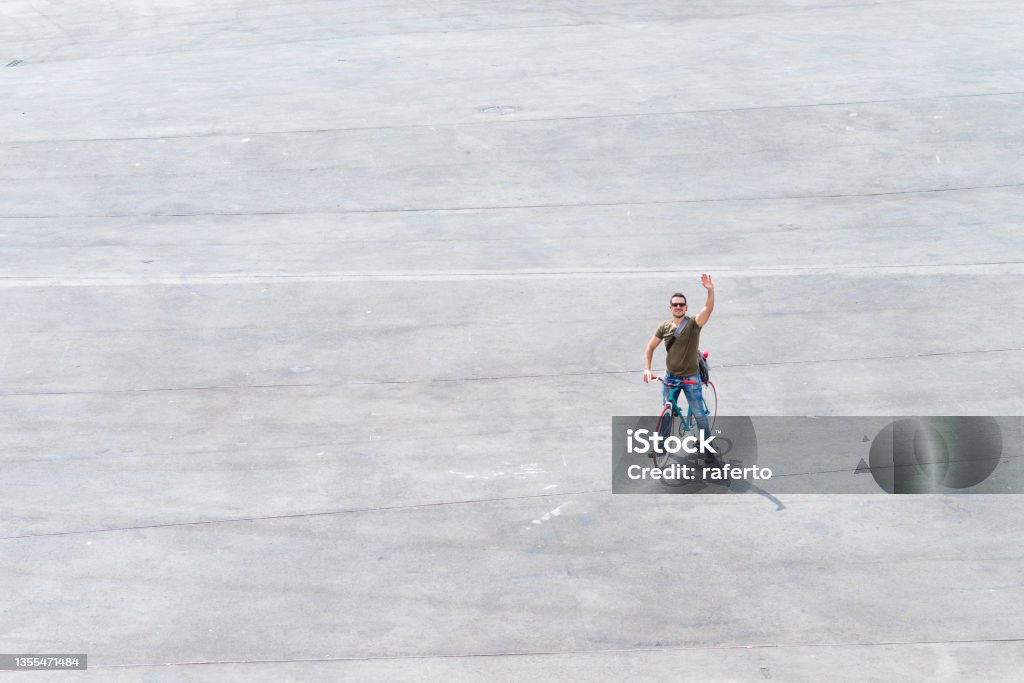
(681, 360)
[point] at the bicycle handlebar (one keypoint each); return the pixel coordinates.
(684, 381)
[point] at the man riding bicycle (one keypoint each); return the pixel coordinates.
(681, 353)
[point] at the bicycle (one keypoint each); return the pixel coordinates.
(709, 396)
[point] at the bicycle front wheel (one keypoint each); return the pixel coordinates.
(664, 428)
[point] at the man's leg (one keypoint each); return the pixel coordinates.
(670, 392)
(696, 402)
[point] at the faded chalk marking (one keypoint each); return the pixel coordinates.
(524, 472)
(554, 513)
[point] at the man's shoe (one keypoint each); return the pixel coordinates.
(711, 461)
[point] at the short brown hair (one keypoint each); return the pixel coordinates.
(677, 294)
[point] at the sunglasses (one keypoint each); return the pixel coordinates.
(678, 305)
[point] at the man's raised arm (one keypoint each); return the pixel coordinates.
(709, 305)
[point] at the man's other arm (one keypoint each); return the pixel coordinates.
(648, 355)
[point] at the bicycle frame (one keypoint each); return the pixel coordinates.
(690, 422)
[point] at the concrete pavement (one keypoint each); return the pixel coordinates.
(316, 315)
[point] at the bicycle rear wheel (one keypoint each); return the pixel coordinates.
(711, 402)
(664, 429)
